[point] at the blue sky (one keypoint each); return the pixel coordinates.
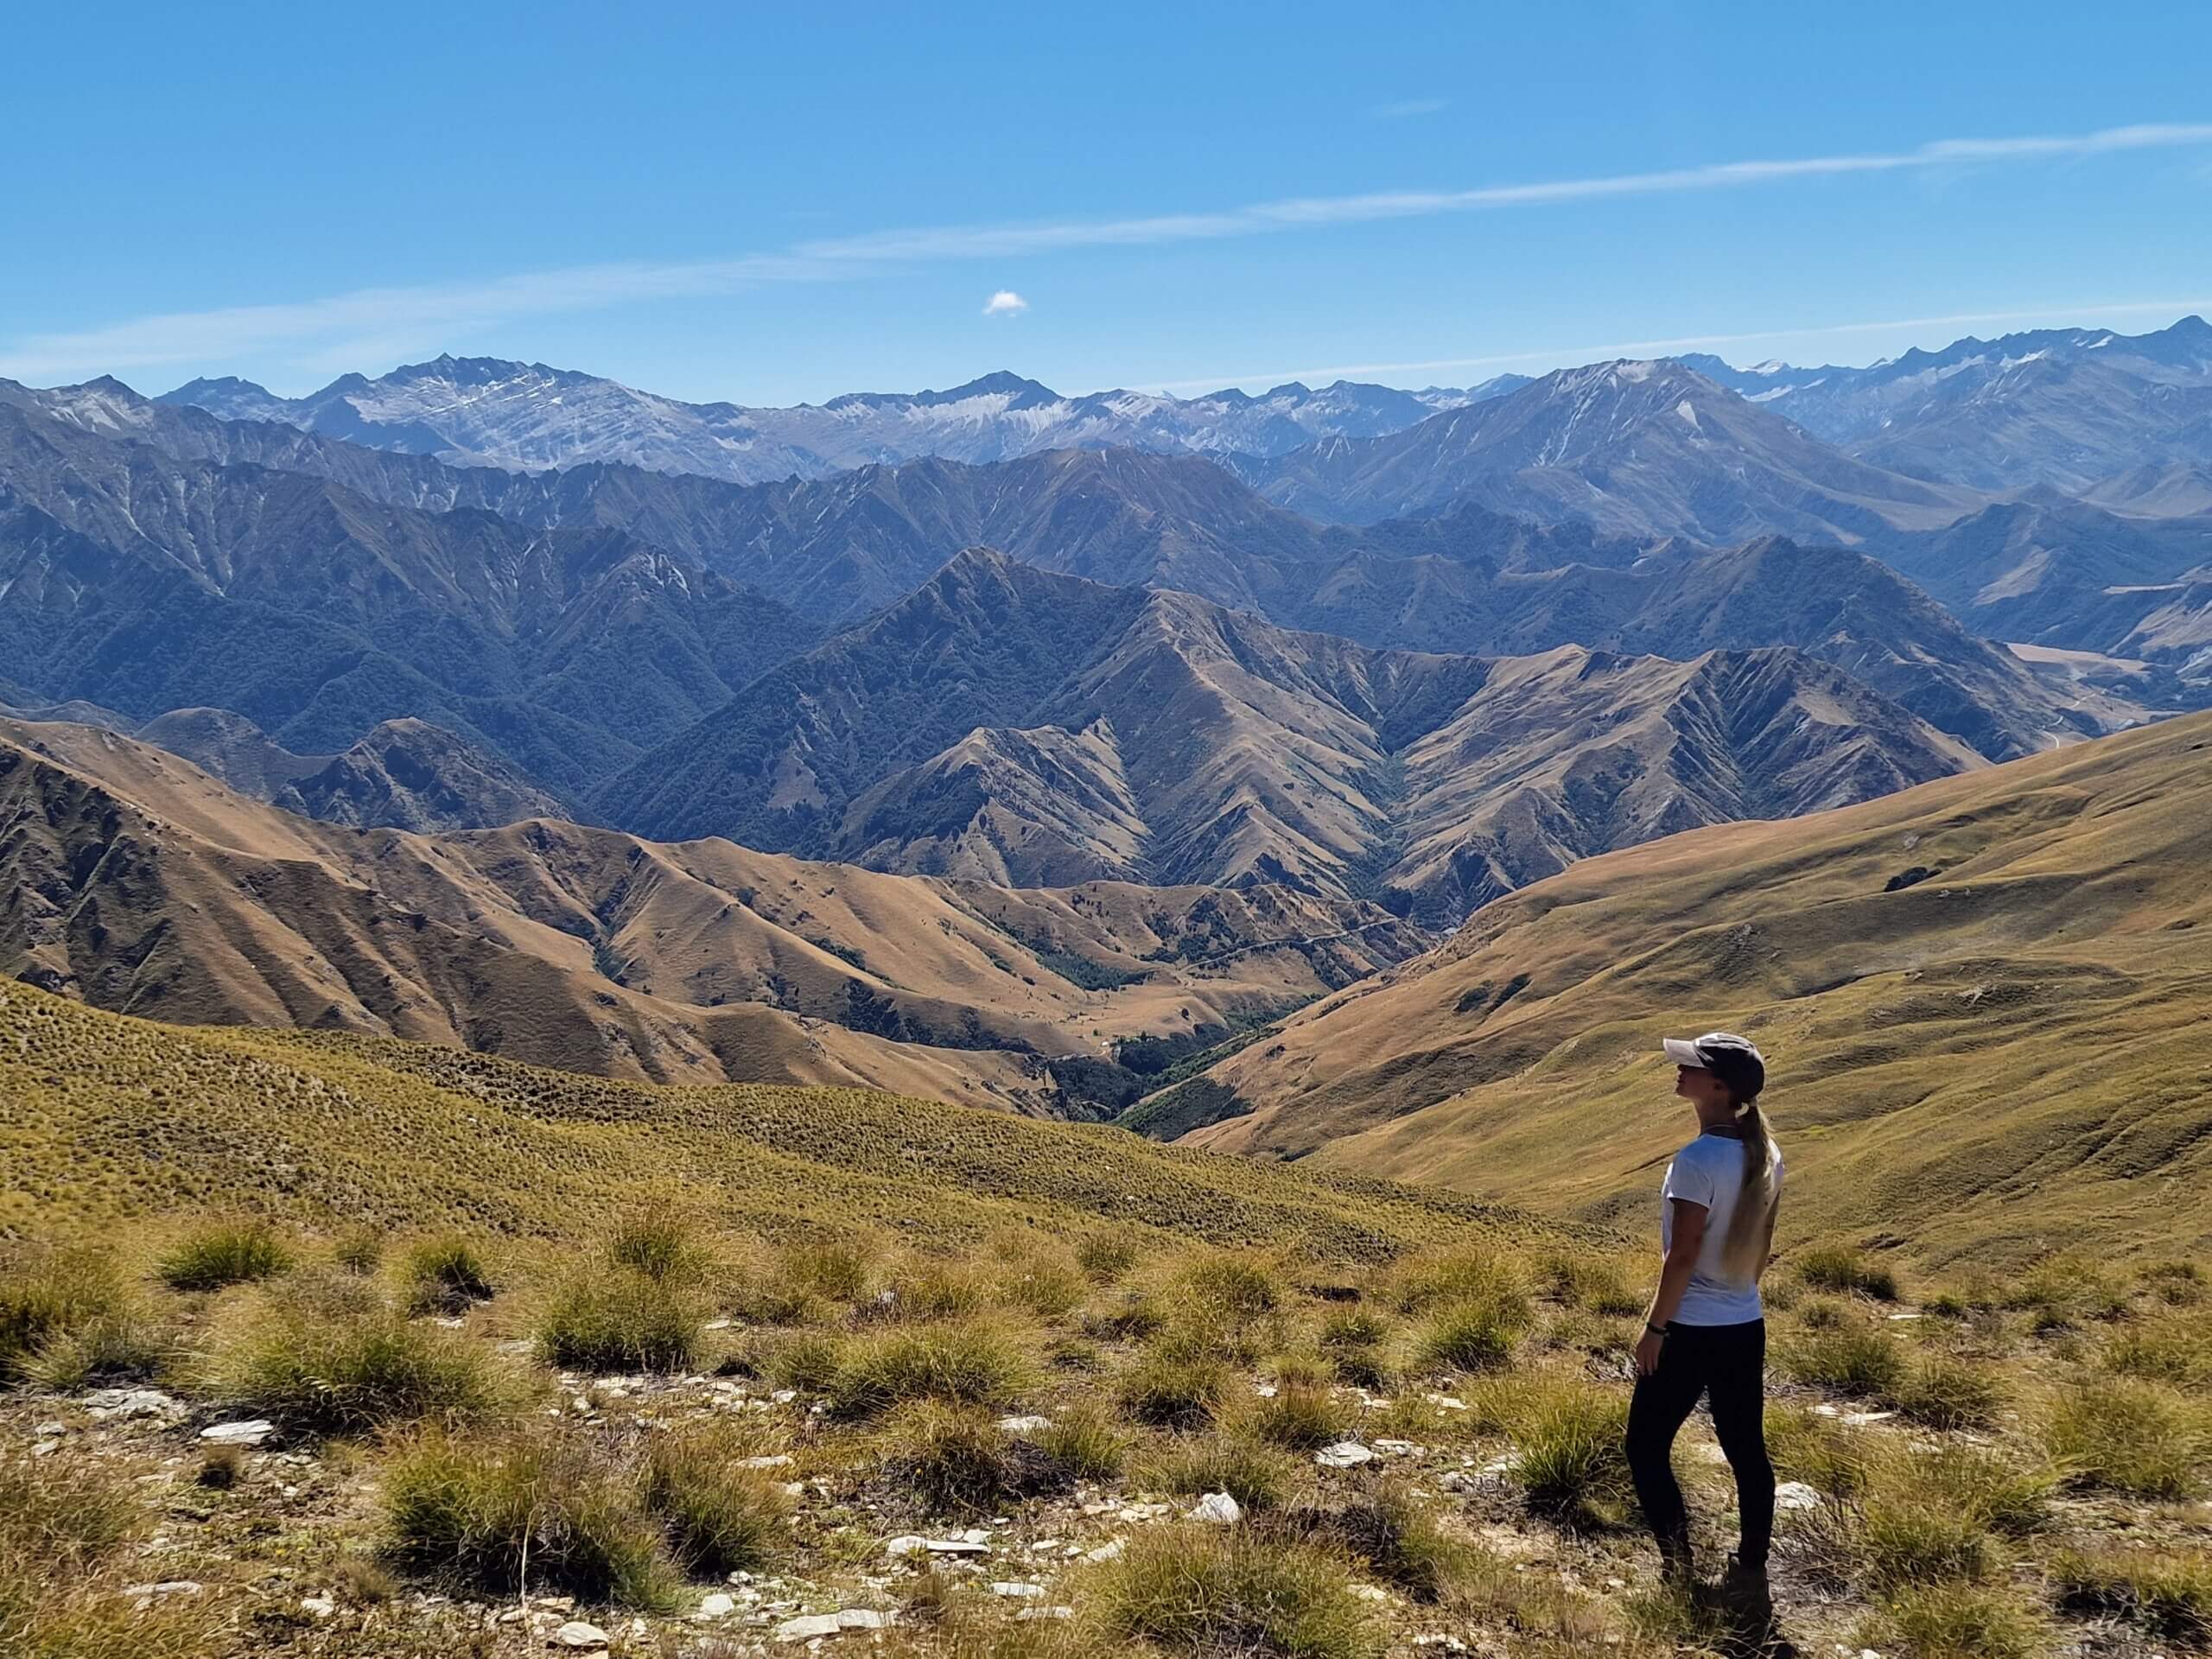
(753, 204)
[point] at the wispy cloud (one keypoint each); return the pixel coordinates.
(318, 330)
(1005, 303)
(2041, 316)
(1409, 107)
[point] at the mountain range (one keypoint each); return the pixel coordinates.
(1980, 999)
(485, 412)
(141, 884)
(2079, 412)
(1016, 724)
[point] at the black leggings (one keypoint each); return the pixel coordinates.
(1728, 1363)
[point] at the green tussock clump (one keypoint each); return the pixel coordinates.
(955, 1459)
(64, 1524)
(1945, 1393)
(1927, 1514)
(227, 1253)
(1570, 1458)
(1848, 1357)
(1085, 1438)
(1964, 1621)
(721, 1516)
(1258, 1477)
(330, 1355)
(2166, 1593)
(963, 1362)
(2127, 1435)
(1600, 1283)
(1231, 1591)
(1394, 1538)
(1818, 1451)
(116, 1347)
(610, 1318)
(445, 1275)
(1174, 1384)
(1847, 1272)
(1475, 1334)
(358, 1250)
(46, 1293)
(1434, 1278)
(1302, 1415)
(477, 1513)
(660, 1246)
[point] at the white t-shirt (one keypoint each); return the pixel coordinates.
(1710, 1171)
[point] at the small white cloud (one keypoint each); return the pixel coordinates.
(1005, 303)
(1411, 106)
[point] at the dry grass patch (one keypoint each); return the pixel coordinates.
(2166, 1593)
(2127, 1435)
(484, 1512)
(1234, 1590)
(331, 1355)
(1569, 1451)
(223, 1254)
(955, 1459)
(1964, 1621)
(445, 1275)
(721, 1516)
(1175, 1383)
(1084, 1437)
(961, 1362)
(609, 1317)
(1258, 1477)
(1847, 1272)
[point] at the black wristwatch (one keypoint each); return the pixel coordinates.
(1656, 1330)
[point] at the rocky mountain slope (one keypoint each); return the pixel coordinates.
(409, 774)
(1981, 997)
(2059, 409)
(1010, 722)
(488, 411)
(147, 583)
(145, 885)
(1636, 449)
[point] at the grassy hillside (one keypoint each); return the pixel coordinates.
(112, 1118)
(1984, 999)
(143, 885)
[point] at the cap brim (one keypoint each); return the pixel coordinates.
(1681, 1051)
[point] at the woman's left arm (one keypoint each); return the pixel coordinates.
(1688, 1237)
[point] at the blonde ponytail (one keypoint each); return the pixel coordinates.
(1751, 1227)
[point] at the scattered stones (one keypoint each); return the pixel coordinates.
(1108, 1552)
(1448, 1403)
(1397, 1448)
(1860, 1419)
(1370, 1593)
(807, 1627)
(319, 1606)
(719, 1605)
(1345, 1454)
(1028, 1425)
(248, 1431)
(1217, 1510)
(101, 1404)
(145, 1595)
(912, 1544)
(865, 1619)
(1018, 1591)
(578, 1634)
(48, 1430)
(1795, 1494)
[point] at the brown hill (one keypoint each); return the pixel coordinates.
(1008, 722)
(143, 885)
(409, 774)
(1984, 998)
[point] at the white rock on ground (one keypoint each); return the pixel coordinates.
(319, 1606)
(771, 1460)
(1019, 1592)
(807, 1627)
(1795, 1494)
(717, 1606)
(578, 1634)
(1112, 1552)
(249, 1431)
(911, 1544)
(1028, 1425)
(1345, 1454)
(1217, 1509)
(1045, 1612)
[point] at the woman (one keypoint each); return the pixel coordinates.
(1706, 1332)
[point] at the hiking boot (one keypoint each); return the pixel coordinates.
(1744, 1583)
